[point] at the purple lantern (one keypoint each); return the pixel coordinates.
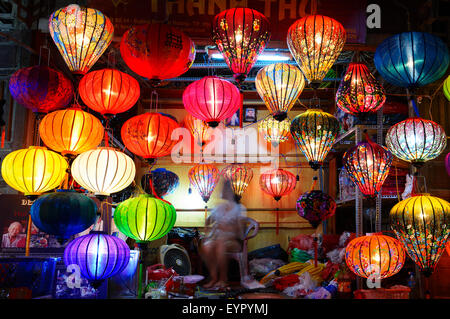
(447, 163)
(315, 206)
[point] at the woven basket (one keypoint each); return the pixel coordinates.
(381, 293)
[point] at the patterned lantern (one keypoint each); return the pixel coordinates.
(198, 129)
(99, 256)
(375, 256)
(315, 206)
(144, 218)
(109, 91)
(277, 183)
(71, 131)
(315, 42)
(40, 88)
(446, 88)
(204, 178)
(211, 99)
(64, 213)
(367, 164)
(412, 59)
(103, 170)
(241, 34)
(157, 51)
(314, 131)
(164, 182)
(275, 131)
(239, 177)
(359, 92)
(34, 170)
(421, 223)
(447, 163)
(416, 140)
(279, 85)
(81, 35)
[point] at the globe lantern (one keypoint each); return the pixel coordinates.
(446, 88)
(198, 129)
(279, 85)
(81, 35)
(315, 131)
(71, 131)
(239, 177)
(103, 171)
(412, 59)
(275, 131)
(64, 213)
(277, 183)
(144, 218)
(315, 206)
(149, 135)
(34, 170)
(359, 92)
(421, 223)
(109, 91)
(375, 255)
(315, 42)
(416, 140)
(99, 256)
(40, 88)
(146, 48)
(241, 34)
(204, 178)
(164, 182)
(211, 99)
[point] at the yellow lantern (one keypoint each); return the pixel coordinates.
(239, 177)
(275, 131)
(34, 170)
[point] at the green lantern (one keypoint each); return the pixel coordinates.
(144, 218)
(447, 88)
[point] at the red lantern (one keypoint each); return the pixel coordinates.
(109, 91)
(157, 51)
(149, 135)
(277, 183)
(211, 99)
(204, 178)
(240, 34)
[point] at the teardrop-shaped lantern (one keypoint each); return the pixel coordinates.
(204, 178)
(211, 99)
(81, 35)
(421, 223)
(446, 88)
(416, 140)
(315, 206)
(144, 218)
(239, 176)
(277, 183)
(359, 92)
(279, 85)
(241, 34)
(198, 129)
(315, 42)
(315, 131)
(157, 51)
(275, 131)
(109, 91)
(40, 88)
(164, 182)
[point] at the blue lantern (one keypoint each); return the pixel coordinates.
(412, 59)
(164, 182)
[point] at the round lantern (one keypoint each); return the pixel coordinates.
(315, 131)
(144, 218)
(211, 99)
(40, 88)
(315, 206)
(34, 170)
(103, 170)
(416, 140)
(277, 183)
(367, 164)
(99, 256)
(359, 92)
(421, 223)
(275, 131)
(149, 135)
(241, 34)
(71, 131)
(239, 177)
(204, 178)
(446, 88)
(81, 35)
(157, 51)
(447, 163)
(375, 255)
(64, 213)
(315, 42)
(109, 91)
(164, 182)
(412, 59)
(198, 129)
(279, 85)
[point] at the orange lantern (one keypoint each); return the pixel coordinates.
(198, 129)
(277, 183)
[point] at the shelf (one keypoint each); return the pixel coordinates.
(352, 199)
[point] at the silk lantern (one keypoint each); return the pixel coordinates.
(164, 182)
(275, 131)
(446, 88)
(204, 178)
(277, 183)
(447, 163)
(239, 176)
(315, 206)
(198, 129)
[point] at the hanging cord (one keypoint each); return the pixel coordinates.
(106, 131)
(396, 184)
(154, 102)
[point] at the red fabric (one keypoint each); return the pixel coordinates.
(330, 242)
(302, 242)
(277, 183)
(285, 281)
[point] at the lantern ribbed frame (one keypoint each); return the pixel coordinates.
(275, 131)
(198, 129)
(164, 182)
(81, 35)
(315, 206)
(277, 183)
(446, 88)
(204, 178)
(239, 176)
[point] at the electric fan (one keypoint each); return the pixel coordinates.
(175, 256)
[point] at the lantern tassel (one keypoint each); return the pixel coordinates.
(3, 137)
(27, 246)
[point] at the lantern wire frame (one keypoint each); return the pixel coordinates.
(204, 177)
(239, 176)
(274, 131)
(277, 183)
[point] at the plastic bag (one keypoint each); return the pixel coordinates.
(261, 266)
(304, 286)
